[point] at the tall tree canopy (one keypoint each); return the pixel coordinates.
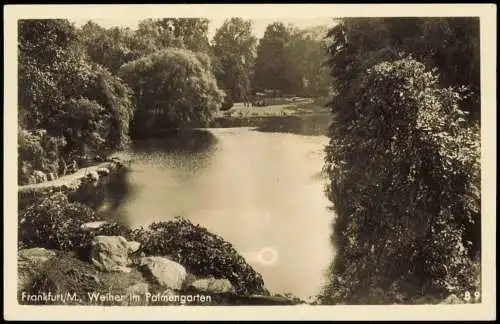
(173, 88)
(272, 62)
(234, 50)
(307, 51)
(449, 44)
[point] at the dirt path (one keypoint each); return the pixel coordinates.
(67, 180)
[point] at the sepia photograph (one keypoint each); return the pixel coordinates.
(233, 160)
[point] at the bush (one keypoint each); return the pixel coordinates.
(201, 252)
(54, 223)
(37, 151)
(404, 178)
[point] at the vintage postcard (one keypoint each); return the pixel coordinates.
(250, 161)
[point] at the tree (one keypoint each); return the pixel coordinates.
(74, 101)
(308, 49)
(272, 62)
(173, 88)
(449, 44)
(234, 47)
(157, 34)
(110, 48)
(403, 167)
(43, 53)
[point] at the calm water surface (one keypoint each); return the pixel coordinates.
(261, 191)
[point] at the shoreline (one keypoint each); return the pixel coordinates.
(44, 266)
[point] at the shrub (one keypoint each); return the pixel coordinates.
(54, 223)
(201, 252)
(37, 151)
(404, 178)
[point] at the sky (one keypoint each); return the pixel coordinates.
(259, 24)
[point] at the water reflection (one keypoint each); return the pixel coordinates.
(107, 195)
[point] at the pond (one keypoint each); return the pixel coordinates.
(261, 191)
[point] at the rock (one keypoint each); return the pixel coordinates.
(92, 226)
(93, 176)
(29, 261)
(212, 285)
(133, 246)
(103, 172)
(31, 179)
(39, 176)
(452, 299)
(38, 255)
(111, 253)
(165, 272)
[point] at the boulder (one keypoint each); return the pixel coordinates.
(111, 253)
(93, 176)
(29, 261)
(163, 271)
(92, 226)
(212, 285)
(31, 179)
(133, 246)
(51, 176)
(102, 172)
(39, 176)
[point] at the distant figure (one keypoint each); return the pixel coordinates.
(247, 103)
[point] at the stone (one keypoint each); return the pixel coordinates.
(39, 176)
(92, 226)
(163, 271)
(102, 172)
(111, 253)
(93, 176)
(29, 262)
(38, 255)
(212, 285)
(133, 246)
(31, 179)
(51, 176)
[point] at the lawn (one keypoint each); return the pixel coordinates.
(293, 108)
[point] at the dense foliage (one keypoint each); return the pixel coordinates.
(290, 61)
(449, 44)
(234, 47)
(403, 164)
(174, 88)
(54, 223)
(38, 151)
(81, 105)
